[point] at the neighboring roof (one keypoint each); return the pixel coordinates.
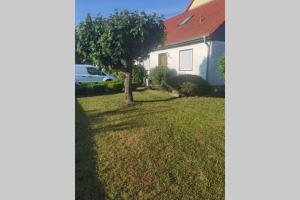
(206, 19)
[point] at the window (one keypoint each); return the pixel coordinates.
(162, 59)
(80, 70)
(92, 71)
(186, 60)
(186, 20)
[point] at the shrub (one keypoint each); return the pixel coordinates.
(135, 86)
(221, 68)
(79, 90)
(188, 89)
(138, 74)
(99, 89)
(115, 86)
(88, 88)
(176, 83)
(160, 74)
(218, 91)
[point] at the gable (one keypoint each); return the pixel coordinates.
(197, 3)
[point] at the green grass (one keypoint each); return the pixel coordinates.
(158, 148)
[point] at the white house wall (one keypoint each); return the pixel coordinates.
(200, 51)
(200, 55)
(217, 50)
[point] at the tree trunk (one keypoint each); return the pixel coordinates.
(128, 88)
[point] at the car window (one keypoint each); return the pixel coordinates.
(101, 73)
(92, 71)
(80, 70)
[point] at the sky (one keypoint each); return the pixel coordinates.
(168, 8)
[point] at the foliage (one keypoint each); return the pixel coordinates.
(160, 74)
(115, 86)
(129, 36)
(188, 89)
(85, 38)
(171, 148)
(222, 66)
(120, 40)
(80, 90)
(120, 75)
(88, 88)
(218, 91)
(138, 74)
(176, 82)
(99, 88)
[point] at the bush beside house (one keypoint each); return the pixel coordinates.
(163, 78)
(160, 74)
(189, 85)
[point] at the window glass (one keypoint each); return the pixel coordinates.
(80, 70)
(186, 60)
(101, 73)
(92, 71)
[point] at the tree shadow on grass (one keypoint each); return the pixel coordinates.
(125, 118)
(87, 184)
(156, 100)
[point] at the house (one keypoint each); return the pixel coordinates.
(195, 40)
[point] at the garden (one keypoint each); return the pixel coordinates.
(165, 143)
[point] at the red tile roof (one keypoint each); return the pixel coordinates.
(206, 19)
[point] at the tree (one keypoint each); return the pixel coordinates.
(222, 65)
(85, 38)
(120, 41)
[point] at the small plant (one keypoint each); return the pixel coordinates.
(138, 74)
(176, 83)
(188, 89)
(160, 74)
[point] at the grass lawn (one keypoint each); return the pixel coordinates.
(158, 148)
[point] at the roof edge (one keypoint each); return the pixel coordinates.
(185, 42)
(191, 3)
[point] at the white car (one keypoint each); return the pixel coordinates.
(91, 74)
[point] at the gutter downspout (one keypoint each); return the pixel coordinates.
(208, 44)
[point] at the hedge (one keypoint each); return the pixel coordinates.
(103, 87)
